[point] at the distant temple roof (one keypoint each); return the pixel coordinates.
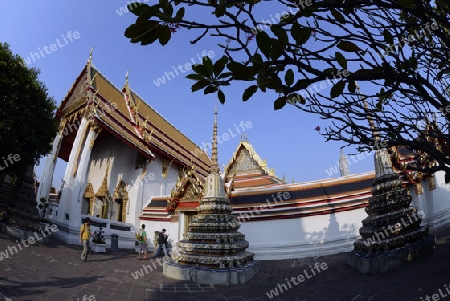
(251, 185)
(125, 115)
(246, 169)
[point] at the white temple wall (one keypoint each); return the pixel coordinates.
(435, 204)
(303, 237)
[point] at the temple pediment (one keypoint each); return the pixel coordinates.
(186, 194)
(246, 161)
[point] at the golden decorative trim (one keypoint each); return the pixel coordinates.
(419, 189)
(103, 190)
(62, 125)
(74, 107)
(431, 183)
(97, 129)
(89, 194)
(121, 193)
(166, 167)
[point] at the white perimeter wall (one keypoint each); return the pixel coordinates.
(435, 204)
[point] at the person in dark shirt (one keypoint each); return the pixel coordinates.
(162, 240)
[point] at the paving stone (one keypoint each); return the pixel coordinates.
(55, 272)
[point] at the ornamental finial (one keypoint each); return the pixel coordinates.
(90, 54)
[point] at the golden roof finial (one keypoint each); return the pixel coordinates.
(90, 54)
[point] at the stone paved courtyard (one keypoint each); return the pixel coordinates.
(55, 272)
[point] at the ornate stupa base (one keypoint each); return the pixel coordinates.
(376, 263)
(202, 275)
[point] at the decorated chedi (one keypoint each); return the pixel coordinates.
(212, 251)
(391, 234)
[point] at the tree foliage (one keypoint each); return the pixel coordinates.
(27, 124)
(314, 55)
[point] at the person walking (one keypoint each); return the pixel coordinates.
(142, 240)
(85, 232)
(161, 241)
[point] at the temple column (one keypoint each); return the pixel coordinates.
(46, 179)
(81, 174)
(66, 193)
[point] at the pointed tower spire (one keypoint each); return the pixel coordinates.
(214, 155)
(343, 164)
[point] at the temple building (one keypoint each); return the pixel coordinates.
(128, 166)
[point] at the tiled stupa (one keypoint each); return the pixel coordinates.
(213, 251)
(391, 234)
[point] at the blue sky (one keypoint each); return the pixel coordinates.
(286, 138)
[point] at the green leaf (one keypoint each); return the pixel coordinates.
(220, 65)
(300, 34)
(352, 86)
(179, 15)
(210, 89)
(406, 3)
(199, 85)
(201, 69)
(249, 92)
(151, 36)
(388, 37)
(348, 46)
(208, 65)
(163, 3)
(138, 8)
(277, 49)
(220, 11)
(137, 30)
(337, 89)
(164, 35)
(280, 33)
(379, 104)
(342, 61)
(242, 72)
(257, 60)
(289, 77)
(264, 43)
(194, 76)
(279, 103)
(261, 80)
(296, 98)
(337, 16)
(221, 96)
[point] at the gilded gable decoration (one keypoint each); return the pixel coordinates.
(188, 188)
(418, 187)
(165, 167)
(89, 194)
(97, 129)
(431, 183)
(103, 190)
(121, 193)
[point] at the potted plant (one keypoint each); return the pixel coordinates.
(43, 206)
(98, 242)
(136, 246)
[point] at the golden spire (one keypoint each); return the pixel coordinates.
(214, 157)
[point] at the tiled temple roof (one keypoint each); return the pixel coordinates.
(149, 134)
